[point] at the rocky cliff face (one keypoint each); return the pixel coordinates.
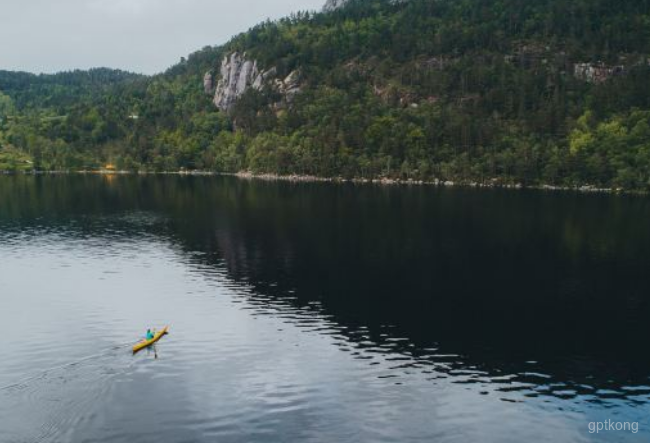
(596, 72)
(289, 87)
(238, 75)
(208, 83)
(331, 5)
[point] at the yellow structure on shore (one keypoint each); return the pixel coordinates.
(109, 168)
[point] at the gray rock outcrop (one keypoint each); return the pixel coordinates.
(596, 72)
(331, 5)
(238, 75)
(289, 87)
(208, 83)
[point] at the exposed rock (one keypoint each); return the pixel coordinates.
(331, 5)
(596, 72)
(239, 74)
(289, 87)
(208, 83)
(261, 79)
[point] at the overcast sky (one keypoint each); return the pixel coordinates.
(144, 36)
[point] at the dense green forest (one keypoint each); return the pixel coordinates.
(493, 91)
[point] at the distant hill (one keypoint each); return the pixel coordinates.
(491, 91)
(64, 88)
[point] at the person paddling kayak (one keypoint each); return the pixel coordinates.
(151, 338)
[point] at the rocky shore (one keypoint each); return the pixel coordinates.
(384, 181)
(494, 184)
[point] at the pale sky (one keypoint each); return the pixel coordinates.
(144, 36)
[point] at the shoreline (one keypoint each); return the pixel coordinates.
(296, 178)
(432, 183)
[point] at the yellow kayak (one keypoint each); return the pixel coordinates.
(146, 343)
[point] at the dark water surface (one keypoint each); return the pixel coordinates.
(319, 313)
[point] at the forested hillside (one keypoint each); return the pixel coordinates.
(493, 91)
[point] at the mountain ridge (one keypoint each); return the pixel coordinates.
(490, 91)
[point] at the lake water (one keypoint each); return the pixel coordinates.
(319, 312)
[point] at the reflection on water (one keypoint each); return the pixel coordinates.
(319, 312)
